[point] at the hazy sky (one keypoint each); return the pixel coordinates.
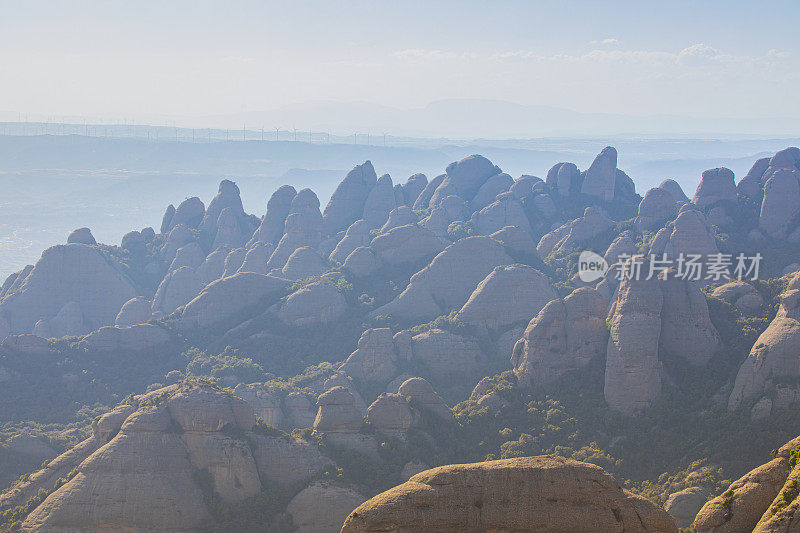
(132, 59)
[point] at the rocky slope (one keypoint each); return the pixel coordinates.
(393, 303)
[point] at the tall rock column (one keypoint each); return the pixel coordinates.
(633, 378)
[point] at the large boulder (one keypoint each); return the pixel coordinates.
(446, 283)
(380, 202)
(68, 273)
(419, 392)
(506, 210)
(423, 200)
(317, 303)
(303, 263)
(751, 185)
(781, 203)
(134, 311)
(139, 338)
(190, 255)
(447, 210)
(358, 234)
(413, 187)
(497, 184)
(632, 378)
(322, 508)
(228, 297)
(564, 336)
(544, 493)
(657, 207)
(272, 225)
(391, 415)
(444, 357)
(374, 361)
(255, 260)
(675, 190)
(190, 213)
(684, 505)
(564, 178)
(464, 178)
(347, 201)
(716, 185)
(600, 178)
(508, 295)
(176, 289)
(576, 233)
(406, 245)
(227, 197)
(686, 328)
(81, 236)
(303, 228)
(337, 412)
(741, 295)
(400, 216)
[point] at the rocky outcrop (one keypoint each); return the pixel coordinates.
(448, 210)
(506, 210)
(178, 236)
(743, 296)
(781, 203)
(303, 263)
(322, 508)
(716, 185)
(751, 185)
(400, 216)
(686, 328)
(380, 202)
(406, 245)
(517, 242)
(255, 260)
(146, 476)
(632, 377)
(675, 190)
(176, 289)
(139, 338)
(358, 234)
(303, 228)
(423, 200)
(362, 262)
(317, 303)
(446, 283)
(337, 412)
(374, 361)
(497, 184)
(227, 197)
(422, 396)
(763, 500)
(657, 206)
(347, 201)
(68, 273)
(600, 178)
(564, 336)
(684, 505)
(264, 404)
(273, 223)
(390, 414)
(134, 311)
(774, 357)
(544, 493)
(507, 296)
(190, 255)
(81, 236)
(690, 234)
(464, 178)
(565, 179)
(228, 297)
(444, 357)
(573, 234)
(412, 189)
(233, 261)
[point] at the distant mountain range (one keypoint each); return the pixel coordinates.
(477, 118)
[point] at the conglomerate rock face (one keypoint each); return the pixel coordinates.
(544, 493)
